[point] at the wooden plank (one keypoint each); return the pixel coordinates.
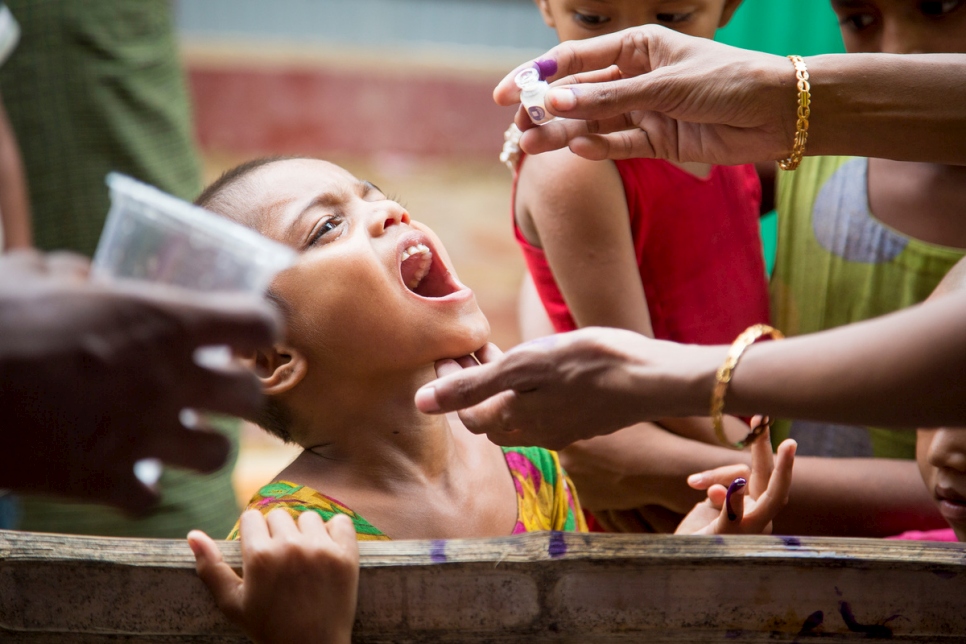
(539, 587)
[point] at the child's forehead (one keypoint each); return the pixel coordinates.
(296, 175)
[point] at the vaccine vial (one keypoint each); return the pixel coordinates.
(532, 92)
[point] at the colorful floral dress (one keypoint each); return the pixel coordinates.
(546, 499)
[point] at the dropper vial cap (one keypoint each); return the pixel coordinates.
(532, 92)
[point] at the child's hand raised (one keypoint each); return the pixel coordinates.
(299, 582)
(727, 510)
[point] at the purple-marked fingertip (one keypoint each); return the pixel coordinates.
(736, 485)
(546, 66)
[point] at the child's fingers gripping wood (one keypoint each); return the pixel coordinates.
(224, 585)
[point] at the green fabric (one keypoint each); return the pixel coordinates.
(780, 27)
(837, 264)
(96, 86)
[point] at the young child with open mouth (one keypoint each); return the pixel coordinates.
(371, 305)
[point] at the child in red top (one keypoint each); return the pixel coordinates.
(670, 250)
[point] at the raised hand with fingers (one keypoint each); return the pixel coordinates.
(743, 501)
(652, 92)
(299, 580)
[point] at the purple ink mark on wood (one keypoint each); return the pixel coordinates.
(871, 630)
(792, 542)
(811, 622)
(558, 546)
(736, 485)
(733, 634)
(944, 574)
(547, 67)
(437, 551)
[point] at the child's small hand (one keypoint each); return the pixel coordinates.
(727, 510)
(299, 582)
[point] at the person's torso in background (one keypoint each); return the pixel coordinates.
(837, 264)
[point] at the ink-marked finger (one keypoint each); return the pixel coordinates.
(732, 513)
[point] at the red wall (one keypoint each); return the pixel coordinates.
(300, 111)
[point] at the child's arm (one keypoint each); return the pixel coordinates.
(577, 212)
(742, 500)
(14, 204)
(300, 580)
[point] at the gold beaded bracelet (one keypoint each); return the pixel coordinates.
(723, 379)
(804, 111)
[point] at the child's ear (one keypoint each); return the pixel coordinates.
(544, 7)
(279, 368)
(729, 10)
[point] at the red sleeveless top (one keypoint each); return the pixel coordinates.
(698, 247)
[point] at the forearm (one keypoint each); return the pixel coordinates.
(891, 106)
(857, 497)
(642, 465)
(907, 369)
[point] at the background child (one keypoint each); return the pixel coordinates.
(369, 308)
(665, 249)
(859, 237)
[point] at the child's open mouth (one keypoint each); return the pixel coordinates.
(424, 274)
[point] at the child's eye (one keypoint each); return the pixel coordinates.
(672, 18)
(857, 21)
(325, 227)
(590, 20)
(936, 8)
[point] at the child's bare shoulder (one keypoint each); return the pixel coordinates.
(560, 180)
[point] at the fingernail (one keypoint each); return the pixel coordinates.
(195, 549)
(695, 479)
(562, 98)
(547, 67)
(426, 400)
(736, 485)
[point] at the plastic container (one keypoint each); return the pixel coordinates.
(151, 236)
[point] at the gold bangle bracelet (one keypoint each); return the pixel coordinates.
(723, 379)
(803, 112)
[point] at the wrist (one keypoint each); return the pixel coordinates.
(679, 387)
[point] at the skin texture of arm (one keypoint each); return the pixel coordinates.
(651, 92)
(14, 204)
(905, 369)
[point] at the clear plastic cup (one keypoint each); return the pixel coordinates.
(152, 236)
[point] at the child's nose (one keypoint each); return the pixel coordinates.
(388, 216)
